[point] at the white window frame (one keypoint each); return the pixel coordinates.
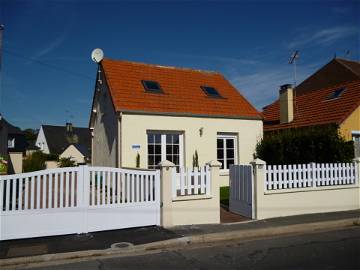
(355, 133)
(163, 145)
(236, 151)
(11, 143)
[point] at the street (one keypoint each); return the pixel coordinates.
(329, 250)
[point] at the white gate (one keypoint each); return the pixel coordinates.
(241, 190)
(77, 200)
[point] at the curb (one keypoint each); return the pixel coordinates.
(238, 235)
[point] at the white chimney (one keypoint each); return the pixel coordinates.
(286, 103)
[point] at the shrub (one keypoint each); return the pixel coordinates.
(66, 162)
(3, 165)
(35, 162)
(321, 144)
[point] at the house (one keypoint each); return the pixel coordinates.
(329, 96)
(3, 137)
(143, 113)
(65, 141)
(13, 144)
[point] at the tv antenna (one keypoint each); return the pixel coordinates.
(292, 61)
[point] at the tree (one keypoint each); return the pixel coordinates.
(66, 162)
(35, 162)
(320, 144)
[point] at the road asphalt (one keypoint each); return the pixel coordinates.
(326, 250)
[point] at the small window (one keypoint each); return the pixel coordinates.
(226, 150)
(152, 86)
(337, 93)
(11, 143)
(210, 91)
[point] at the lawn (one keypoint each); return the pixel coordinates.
(224, 195)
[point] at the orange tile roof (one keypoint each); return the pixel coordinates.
(181, 87)
(313, 108)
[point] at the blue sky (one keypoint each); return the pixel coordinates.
(48, 76)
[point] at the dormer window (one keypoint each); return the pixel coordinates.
(337, 93)
(211, 91)
(152, 86)
(11, 143)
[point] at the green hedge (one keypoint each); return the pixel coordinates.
(320, 144)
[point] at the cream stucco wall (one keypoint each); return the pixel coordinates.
(73, 153)
(134, 131)
(352, 123)
(105, 132)
(16, 162)
(303, 201)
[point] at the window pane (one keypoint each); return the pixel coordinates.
(220, 143)
(230, 153)
(158, 149)
(229, 143)
(157, 159)
(150, 160)
(169, 139)
(220, 154)
(176, 159)
(157, 138)
(176, 139)
(229, 162)
(222, 163)
(168, 149)
(151, 138)
(151, 149)
(169, 158)
(175, 149)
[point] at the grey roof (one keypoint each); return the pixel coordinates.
(58, 139)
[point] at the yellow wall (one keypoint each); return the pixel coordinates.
(352, 123)
(134, 131)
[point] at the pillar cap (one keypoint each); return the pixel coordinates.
(257, 161)
(214, 163)
(166, 164)
(356, 160)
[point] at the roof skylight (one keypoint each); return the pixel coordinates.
(211, 91)
(152, 86)
(337, 93)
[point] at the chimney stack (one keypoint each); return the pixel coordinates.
(69, 127)
(286, 104)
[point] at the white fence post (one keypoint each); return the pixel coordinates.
(259, 169)
(166, 192)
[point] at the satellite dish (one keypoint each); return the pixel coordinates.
(97, 55)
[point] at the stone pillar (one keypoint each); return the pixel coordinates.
(259, 186)
(215, 187)
(166, 193)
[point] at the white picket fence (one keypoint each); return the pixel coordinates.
(77, 200)
(191, 181)
(280, 177)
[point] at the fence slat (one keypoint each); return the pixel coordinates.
(152, 178)
(202, 180)
(189, 174)
(26, 197)
(196, 181)
(182, 181)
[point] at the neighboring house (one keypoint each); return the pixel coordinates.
(329, 96)
(3, 137)
(168, 113)
(78, 153)
(13, 143)
(56, 140)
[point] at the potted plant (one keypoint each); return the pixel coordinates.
(3, 166)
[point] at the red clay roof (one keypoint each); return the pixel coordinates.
(313, 108)
(181, 87)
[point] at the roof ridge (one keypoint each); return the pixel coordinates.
(162, 66)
